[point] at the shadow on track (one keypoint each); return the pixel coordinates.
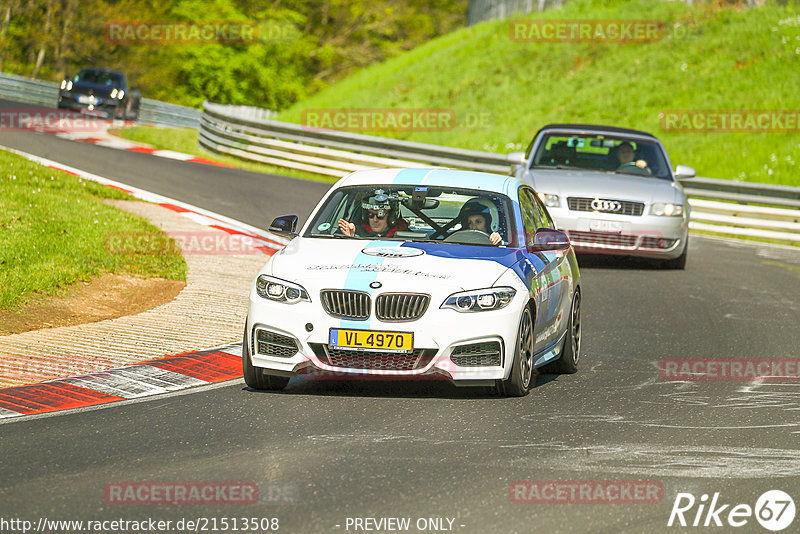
(430, 388)
(617, 261)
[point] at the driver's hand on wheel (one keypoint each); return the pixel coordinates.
(495, 238)
(347, 228)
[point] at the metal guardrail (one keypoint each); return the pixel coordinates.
(44, 93)
(343, 152)
(722, 206)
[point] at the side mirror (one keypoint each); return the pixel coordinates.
(284, 226)
(549, 239)
(682, 172)
(517, 161)
(516, 158)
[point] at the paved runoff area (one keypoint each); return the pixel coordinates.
(163, 349)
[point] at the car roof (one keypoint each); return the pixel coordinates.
(432, 176)
(594, 128)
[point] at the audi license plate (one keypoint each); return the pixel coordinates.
(87, 99)
(341, 338)
(605, 226)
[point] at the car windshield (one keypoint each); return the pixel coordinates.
(99, 77)
(415, 213)
(617, 154)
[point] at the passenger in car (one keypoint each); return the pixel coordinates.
(380, 217)
(475, 214)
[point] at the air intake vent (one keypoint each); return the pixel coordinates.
(477, 354)
(346, 304)
(274, 344)
(606, 205)
(401, 306)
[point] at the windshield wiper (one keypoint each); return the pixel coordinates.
(553, 167)
(334, 236)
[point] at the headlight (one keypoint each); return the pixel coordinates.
(478, 300)
(63, 84)
(113, 93)
(120, 94)
(279, 290)
(666, 209)
(551, 201)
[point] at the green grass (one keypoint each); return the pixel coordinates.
(503, 91)
(185, 140)
(53, 232)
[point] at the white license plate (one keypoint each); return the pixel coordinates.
(605, 226)
(87, 99)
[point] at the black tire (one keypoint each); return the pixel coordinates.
(255, 377)
(519, 381)
(131, 112)
(678, 263)
(567, 363)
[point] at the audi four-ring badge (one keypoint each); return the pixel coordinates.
(611, 189)
(417, 274)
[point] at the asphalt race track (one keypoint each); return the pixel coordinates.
(325, 451)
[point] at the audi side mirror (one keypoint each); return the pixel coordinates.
(549, 239)
(516, 158)
(517, 161)
(682, 172)
(284, 226)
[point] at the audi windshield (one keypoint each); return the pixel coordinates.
(602, 153)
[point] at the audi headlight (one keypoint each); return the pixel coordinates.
(478, 300)
(551, 201)
(667, 209)
(120, 94)
(279, 290)
(113, 93)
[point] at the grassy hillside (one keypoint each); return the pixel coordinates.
(502, 91)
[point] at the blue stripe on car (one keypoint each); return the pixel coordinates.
(359, 279)
(504, 256)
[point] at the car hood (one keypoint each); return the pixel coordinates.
(568, 183)
(433, 268)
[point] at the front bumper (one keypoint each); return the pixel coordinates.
(467, 348)
(645, 235)
(104, 107)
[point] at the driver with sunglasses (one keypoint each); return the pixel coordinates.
(380, 217)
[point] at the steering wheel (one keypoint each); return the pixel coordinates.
(632, 168)
(469, 237)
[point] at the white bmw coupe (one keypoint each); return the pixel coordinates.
(413, 273)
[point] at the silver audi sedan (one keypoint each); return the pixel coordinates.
(611, 189)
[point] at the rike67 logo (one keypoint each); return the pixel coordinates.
(774, 510)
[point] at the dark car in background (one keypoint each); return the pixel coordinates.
(100, 92)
